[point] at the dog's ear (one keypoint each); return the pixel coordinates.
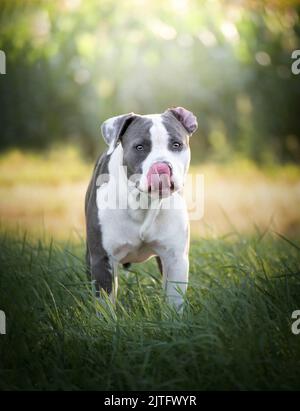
(113, 129)
(186, 118)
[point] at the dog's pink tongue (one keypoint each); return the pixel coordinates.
(159, 177)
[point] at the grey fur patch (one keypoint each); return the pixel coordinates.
(97, 260)
(176, 132)
(138, 133)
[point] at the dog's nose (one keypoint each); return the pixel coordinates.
(159, 177)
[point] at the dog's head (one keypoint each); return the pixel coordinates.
(155, 147)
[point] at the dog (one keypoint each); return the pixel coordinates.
(134, 204)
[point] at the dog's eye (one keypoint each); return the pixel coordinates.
(139, 147)
(176, 145)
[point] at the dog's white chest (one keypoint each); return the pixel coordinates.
(135, 235)
(122, 234)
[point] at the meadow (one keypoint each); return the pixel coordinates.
(235, 332)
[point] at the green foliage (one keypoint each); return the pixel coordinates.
(72, 64)
(234, 334)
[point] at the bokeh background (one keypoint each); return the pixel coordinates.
(70, 64)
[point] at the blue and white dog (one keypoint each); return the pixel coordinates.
(146, 162)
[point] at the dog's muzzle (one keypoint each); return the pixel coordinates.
(159, 179)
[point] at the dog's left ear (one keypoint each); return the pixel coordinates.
(113, 129)
(186, 118)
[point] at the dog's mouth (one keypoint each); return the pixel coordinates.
(160, 179)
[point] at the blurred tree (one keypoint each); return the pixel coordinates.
(71, 64)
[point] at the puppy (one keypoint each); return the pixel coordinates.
(134, 203)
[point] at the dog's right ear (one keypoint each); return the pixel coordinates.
(113, 129)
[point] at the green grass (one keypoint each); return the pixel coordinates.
(235, 332)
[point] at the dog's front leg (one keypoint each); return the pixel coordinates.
(101, 271)
(104, 274)
(113, 295)
(175, 278)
